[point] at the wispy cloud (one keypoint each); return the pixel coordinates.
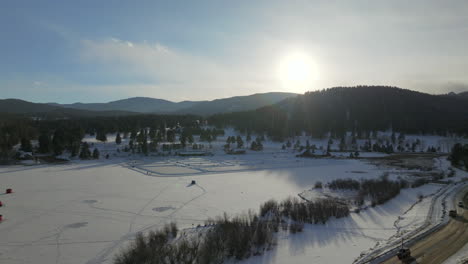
(155, 60)
(170, 68)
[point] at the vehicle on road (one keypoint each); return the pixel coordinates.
(404, 255)
(453, 213)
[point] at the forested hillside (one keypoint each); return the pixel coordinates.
(361, 109)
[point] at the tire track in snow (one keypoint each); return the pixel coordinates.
(57, 243)
(102, 256)
(132, 222)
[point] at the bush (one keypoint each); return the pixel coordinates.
(271, 206)
(348, 184)
(237, 237)
(380, 190)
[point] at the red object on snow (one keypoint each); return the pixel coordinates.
(9, 190)
(1, 218)
(1, 204)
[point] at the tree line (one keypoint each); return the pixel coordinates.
(60, 135)
(459, 155)
(361, 109)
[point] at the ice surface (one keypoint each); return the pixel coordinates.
(85, 211)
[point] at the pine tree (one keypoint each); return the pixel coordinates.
(101, 136)
(58, 141)
(95, 153)
(44, 143)
(74, 148)
(85, 153)
(342, 145)
(26, 145)
(401, 138)
(214, 133)
(171, 135)
(240, 142)
(183, 141)
(456, 154)
(259, 146)
(297, 145)
(144, 147)
(354, 143)
(133, 134)
(152, 134)
(118, 139)
(253, 145)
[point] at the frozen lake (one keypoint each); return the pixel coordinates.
(84, 212)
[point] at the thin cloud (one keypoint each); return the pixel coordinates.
(169, 68)
(153, 59)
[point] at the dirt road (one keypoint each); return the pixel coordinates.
(442, 244)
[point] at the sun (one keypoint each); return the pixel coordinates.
(297, 71)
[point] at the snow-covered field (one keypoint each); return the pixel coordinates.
(85, 211)
(342, 240)
(460, 257)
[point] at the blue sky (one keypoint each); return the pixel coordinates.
(98, 51)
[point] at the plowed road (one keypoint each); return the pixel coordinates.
(439, 246)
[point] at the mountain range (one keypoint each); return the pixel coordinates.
(146, 105)
(161, 106)
(371, 105)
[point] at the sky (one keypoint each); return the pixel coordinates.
(103, 50)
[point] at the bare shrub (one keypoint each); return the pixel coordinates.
(347, 184)
(236, 237)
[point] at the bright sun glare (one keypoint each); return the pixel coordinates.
(297, 71)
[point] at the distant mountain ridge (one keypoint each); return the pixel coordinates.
(138, 105)
(21, 107)
(161, 106)
(134, 104)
